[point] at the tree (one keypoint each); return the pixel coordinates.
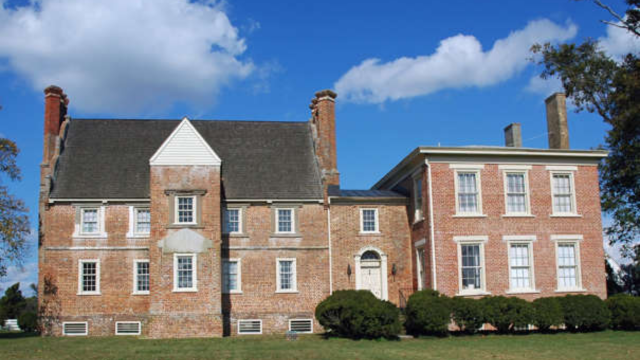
(597, 83)
(630, 274)
(12, 304)
(14, 223)
(614, 280)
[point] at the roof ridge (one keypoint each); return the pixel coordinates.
(192, 120)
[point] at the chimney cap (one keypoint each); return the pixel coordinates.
(53, 89)
(327, 92)
(555, 95)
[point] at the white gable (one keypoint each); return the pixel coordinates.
(185, 146)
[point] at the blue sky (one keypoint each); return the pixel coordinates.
(407, 73)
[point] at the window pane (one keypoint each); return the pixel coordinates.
(185, 209)
(471, 269)
(185, 272)
(142, 276)
(233, 220)
(89, 276)
(467, 193)
(286, 275)
(230, 274)
(520, 269)
(516, 193)
(284, 220)
(90, 220)
(368, 220)
(143, 221)
(567, 266)
(562, 193)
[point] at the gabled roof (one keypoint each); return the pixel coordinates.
(185, 146)
(109, 159)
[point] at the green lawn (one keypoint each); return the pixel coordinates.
(604, 345)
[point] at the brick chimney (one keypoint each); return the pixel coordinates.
(513, 135)
(557, 127)
(323, 121)
(55, 110)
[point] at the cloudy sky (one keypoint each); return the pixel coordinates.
(407, 73)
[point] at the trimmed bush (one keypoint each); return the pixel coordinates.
(625, 312)
(428, 313)
(467, 314)
(507, 313)
(547, 312)
(28, 321)
(585, 313)
(358, 314)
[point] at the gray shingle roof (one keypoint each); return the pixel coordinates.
(336, 191)
(108, 159)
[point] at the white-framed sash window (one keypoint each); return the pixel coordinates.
(141, 276)
(471, 265)
(185, 274)
(185, 209)
(286, 275)
(231, 276)
(89, 277)
(369, 221)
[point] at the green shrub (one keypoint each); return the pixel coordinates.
(547, 312)
(358, 314)
(28, 321)
(585, 313)
(467, 314)
(625, 312)
(507, 313)
(428, 313)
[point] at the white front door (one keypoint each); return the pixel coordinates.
(371, 277)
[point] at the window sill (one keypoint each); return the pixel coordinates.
(89, 236)
(89, 294)
(287, 292)
(140, 293)
(565, 216)
(370, 233)
(138, 236)
(577, 290)
(473, 293)
(182, 226)
(518, 216)
(524, 291)
(185, 290)
(285, 235)
(470, 216)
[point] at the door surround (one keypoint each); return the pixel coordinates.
(383, 270)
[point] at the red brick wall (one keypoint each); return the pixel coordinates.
(589, 225)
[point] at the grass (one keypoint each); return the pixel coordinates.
(604, 345)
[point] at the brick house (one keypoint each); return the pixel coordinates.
(184, 228)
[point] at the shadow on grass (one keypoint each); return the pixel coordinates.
(328, 336)
(17, 335)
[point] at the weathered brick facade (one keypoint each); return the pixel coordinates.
(338, 239)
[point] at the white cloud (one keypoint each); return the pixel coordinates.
(124, 55)
(546, 87)
(458, 62)
(619, 42)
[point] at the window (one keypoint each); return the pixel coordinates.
(517, 196)
(520, 267)
(568, 266)
(90, 223)
(420, 262)
(284, 221)
(302, 326)
(417, 198)
(185, 209)
(233, 221)
(468, 198)
(369, 220)
(563, 193)
(75, 328)
(471, 270)
(128, 327)
(184, 273)
(286, 275)
(248, 327)
(142, 221)
(231, 276)
(141, 277)
(89, 277)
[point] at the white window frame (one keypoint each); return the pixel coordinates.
(527, 240)
(574, 240)
(194, 264)
(302, 332)
(226, 220)
(81, 262)
(420, 246)
(256, 333)
(570, 171)
(128, 322)
(86, 328)
(418, 204)
(101, 233)
(479, 240)
(376, 220)
(527, 195)
(239, 264)
(294, 267)
(293, 220)
(133, 222)
(135, 277)
(194, 210)
(468, 168)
